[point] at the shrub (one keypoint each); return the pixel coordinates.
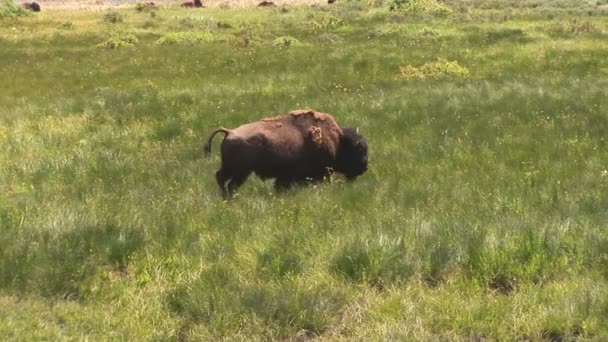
(247, 38)
(578, 26)
(574, 27)
(223, 24)
(327, 22)
(118, 41)
(203, 23)
(68, 25)
(418, 6)
(427, 31)
(113, 17)
(376, 3)
(441, 68)
(192, 22)
(286, 41)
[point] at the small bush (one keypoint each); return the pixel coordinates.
(574, 27)
(578, 26)
(376, 3)
(442, 68)
(327, 22)
(247, 38)
(192, 22)
(118, 41)
(223, 25)
(286, 41)
(427, 31)
(203, 23)
(68, 25)
(418, 6)
(113, 17)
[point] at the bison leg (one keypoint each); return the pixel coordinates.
(236, 182)
(282, 184)
(221, 178)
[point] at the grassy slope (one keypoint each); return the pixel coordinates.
(483, 213)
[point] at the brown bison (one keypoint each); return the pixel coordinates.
(266, 4)
(303, 145)
(32, 6)
(195, 3)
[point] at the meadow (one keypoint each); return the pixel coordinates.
(483, 216)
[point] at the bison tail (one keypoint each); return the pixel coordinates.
(207, 146)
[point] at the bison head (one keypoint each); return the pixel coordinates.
(351, 159)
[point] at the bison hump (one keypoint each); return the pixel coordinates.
(309, 112)
(305, 118)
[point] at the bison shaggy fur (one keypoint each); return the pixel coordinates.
(301, 146)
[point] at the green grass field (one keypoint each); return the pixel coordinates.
(483, 216)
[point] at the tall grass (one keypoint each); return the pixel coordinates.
(483, 214)
(9, 9)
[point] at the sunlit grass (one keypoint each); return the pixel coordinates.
(483, 214)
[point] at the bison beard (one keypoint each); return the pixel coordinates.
(303, 145)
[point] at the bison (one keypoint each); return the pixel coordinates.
(303, 145)
(32, 6)
(266, 4)
(195, 3)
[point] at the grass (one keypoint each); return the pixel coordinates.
(483, 214)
